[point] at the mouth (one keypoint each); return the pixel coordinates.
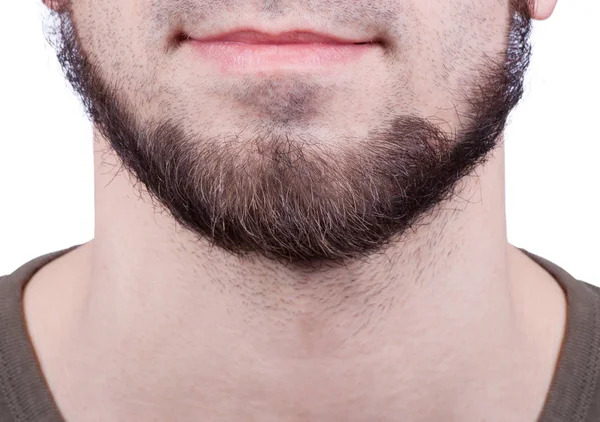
(250, 36)
(253, 51)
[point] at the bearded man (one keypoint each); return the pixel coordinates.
(299, 216)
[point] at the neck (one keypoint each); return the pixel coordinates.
(173, 330)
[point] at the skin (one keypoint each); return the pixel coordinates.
(439, 318)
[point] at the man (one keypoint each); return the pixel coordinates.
(299, 217)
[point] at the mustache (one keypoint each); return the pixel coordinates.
(360, 16)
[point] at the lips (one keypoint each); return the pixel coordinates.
(247, 50)
(290, 37)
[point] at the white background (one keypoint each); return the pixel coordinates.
(552, 144)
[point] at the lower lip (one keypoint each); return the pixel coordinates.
(244, 57)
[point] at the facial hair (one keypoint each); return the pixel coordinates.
(291, 202)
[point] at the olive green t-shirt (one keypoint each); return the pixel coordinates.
(574, 394)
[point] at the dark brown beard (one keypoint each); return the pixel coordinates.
(291, 203)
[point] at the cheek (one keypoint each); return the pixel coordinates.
(116, 41)
(442, 46)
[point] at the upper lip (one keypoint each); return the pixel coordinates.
(296, 36)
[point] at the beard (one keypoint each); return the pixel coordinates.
(292, 201)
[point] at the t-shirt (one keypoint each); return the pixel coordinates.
(574, 394)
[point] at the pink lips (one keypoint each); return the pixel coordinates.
(291, 37)
(252, 51)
